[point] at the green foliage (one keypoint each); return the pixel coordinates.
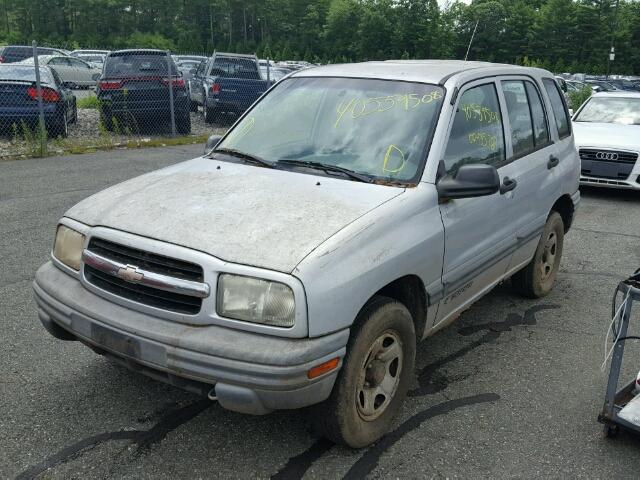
(569, 35)
(578, 97)
(89, 102)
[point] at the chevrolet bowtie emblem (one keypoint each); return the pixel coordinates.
(130, 273)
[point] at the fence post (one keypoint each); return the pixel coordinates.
(268, 71)
(42, 131)
(171, 106)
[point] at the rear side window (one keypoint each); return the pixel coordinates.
(517, 104)
(477, 132)
(540, 128)
(557, 104)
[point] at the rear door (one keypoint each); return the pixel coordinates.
(479, 233)
(534, 157)
(82, 72)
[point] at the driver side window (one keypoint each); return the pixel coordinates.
(477, 134)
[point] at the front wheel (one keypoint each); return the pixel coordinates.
(537, 278)
(374, 379)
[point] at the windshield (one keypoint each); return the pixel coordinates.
(375, 127)
(624, 110)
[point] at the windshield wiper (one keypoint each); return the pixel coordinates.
(327, 168)
(245, 156)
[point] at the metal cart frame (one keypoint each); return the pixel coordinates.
(615, 399)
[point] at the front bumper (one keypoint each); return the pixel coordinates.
(631, 183)
(251, 373)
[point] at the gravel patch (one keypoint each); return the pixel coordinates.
(87, 133)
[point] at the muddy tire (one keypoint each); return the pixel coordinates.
(538, 277)
(374, 379)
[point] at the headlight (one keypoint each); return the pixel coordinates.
(255, 300)
(68, 247)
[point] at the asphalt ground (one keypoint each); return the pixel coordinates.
(512, 389)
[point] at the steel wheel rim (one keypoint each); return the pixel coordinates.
(379, 376)
(549, 252)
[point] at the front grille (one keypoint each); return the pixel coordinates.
(623, 157)
(607, 164)
(152, 262)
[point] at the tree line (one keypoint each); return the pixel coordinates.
(561, 35)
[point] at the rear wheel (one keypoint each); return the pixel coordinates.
(537, 278)
(212, 115)
(106, 119)
(374, 378)
(183, 124)
(61, 126)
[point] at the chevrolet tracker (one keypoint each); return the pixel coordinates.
(350, 212)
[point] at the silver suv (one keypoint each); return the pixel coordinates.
(350, 212)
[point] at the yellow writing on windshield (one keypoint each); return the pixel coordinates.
(362, 107)
(485, 140)
(394, 156)
(473, 111)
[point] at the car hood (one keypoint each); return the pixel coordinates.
(236, 212)
(607, 135)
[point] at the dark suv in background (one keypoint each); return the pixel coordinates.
(17, 53)
(134, 91)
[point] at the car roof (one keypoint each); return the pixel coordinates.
(424, 71)
(136, 50)
(618, 93)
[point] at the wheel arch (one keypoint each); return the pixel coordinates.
(564, 206)
(410, 291)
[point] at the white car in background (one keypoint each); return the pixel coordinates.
(607, 136)
(73, 72)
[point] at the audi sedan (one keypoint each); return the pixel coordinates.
(607, 136)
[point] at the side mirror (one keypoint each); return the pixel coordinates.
(472, 180)
(212, 143)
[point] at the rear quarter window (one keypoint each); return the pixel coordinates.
(559, 108)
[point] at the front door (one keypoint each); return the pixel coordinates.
(479, 233)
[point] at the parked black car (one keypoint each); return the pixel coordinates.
(17, 53)
(19, 100)
(134, 91)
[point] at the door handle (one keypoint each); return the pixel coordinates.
(508, 184)
(553, 162)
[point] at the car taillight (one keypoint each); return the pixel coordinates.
(215, 88)
(109, 84)
(48, 94)
(176, 82)
(1, 59)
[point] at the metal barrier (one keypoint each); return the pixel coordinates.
(52, 102)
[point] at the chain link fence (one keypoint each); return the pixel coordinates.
(55, 102)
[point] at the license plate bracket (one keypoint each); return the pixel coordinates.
(115, 341)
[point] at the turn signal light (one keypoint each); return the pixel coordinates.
(323, 368)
